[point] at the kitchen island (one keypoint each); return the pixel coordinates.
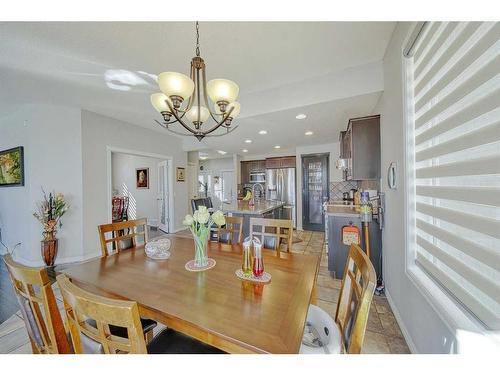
(340, 216)
(261, 208)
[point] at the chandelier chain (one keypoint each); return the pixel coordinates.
(197, 39)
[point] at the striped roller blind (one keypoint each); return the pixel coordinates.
(455, 68)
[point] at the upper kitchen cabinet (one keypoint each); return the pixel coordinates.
(281, 162)
(360, 148)
(251, 167)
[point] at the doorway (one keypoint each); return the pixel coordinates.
(140, 183)
(315, 172)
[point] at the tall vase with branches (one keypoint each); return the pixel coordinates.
(49, 212)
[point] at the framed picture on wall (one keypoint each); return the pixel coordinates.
(142, 178)
(12, 167)
(181, 174)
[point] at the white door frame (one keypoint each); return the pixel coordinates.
(109, 177)
(159, 165)
(234, 178)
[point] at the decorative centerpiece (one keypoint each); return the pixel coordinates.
(49, 212)
(158, 249)
(200, 224)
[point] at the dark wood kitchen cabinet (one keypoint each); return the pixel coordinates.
(281, 162)
(361, 148)
(251, 166)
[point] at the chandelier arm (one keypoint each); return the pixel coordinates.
(179, 118)
(198, 95)
(189, 135)
(219, 123)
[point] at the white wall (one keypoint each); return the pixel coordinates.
(143, 202)
(425, 331)
(99, 132)
(51, 138)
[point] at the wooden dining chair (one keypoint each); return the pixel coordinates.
(91, 319)
(117, 238)
(39, 308)
(272, 232)
(233, 230)
(122, 235)
(346, 333)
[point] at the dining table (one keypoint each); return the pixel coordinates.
(213, 306)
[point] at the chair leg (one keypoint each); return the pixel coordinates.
(148, 336)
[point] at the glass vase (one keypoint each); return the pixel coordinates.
(200, 247)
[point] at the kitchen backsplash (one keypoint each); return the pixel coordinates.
(337, 188)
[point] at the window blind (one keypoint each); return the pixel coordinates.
(455, 71)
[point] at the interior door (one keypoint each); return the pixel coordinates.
(315, 191)
(163, 208)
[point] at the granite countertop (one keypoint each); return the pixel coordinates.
(242, 207)
(339, 210)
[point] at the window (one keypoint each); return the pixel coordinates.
(453, 76)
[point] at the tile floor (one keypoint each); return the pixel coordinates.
(382, 334)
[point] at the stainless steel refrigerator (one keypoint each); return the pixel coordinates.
(281, 186)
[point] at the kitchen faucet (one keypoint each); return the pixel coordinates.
(252, 201)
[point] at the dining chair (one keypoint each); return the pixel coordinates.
(346, 333)
(272, 232)
(39, 309)
(233, 228)
(197, 202)
(122, 235)
(117, 239)
(82, 307)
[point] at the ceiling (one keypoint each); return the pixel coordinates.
(329, 70)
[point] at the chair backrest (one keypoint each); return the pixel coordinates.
(122, 235)
(232, 233)
(195, 203)
(90, 316)
(34, 294)
(272, 232)
(208, 202)
(356, 293)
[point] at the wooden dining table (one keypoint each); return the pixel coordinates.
(213, 306)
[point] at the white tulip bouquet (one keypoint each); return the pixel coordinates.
(199, 224)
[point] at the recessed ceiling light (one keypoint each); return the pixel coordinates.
(308, 133)
(263, 132)
(203, 157)
(244, 150)
(301, 116)
(277, 146)
(248, 141)
(222, 152)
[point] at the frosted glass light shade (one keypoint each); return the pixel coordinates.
(222, 90)
(236, 110)
(192, 114)
(176, 84)
(158, 101)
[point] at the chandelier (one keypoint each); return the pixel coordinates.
(184, 100)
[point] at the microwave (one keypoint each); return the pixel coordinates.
(257, 177)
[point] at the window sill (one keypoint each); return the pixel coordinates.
(470, 334)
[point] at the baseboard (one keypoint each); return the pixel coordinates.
(397, 315)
